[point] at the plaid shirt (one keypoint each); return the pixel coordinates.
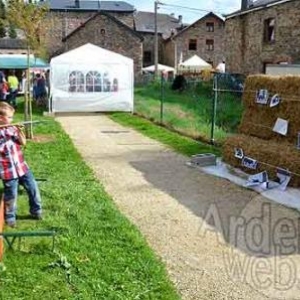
(12, 164)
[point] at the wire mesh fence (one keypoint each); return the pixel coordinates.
(205, 110)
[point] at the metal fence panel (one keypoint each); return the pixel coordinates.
(205, 110)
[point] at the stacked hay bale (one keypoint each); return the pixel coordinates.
(256, 136)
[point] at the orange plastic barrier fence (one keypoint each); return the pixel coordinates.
(1, 227)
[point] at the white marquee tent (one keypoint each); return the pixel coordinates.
(195, 63)
(160, 67)
(91, 79)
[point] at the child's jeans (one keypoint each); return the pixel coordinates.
(11, 193)
(13, 97)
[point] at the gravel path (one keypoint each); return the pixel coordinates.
(192, 220)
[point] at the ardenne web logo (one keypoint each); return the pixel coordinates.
(261, 246)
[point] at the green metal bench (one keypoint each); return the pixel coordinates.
(10, 237)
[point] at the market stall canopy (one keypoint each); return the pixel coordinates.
(194, 63)
(159, 67)
(19, 61)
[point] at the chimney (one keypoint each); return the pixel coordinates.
(244, 4)
(77, 4)
(180, 19)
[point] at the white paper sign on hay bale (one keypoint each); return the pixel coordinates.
(275, 100)
(262, 96)
(281, 126)
(249, 162)
(238, 153)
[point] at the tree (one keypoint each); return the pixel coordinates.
(30, 18)
(12, 33)
(2, 20)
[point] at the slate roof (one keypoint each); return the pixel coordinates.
(144, 22)
(7, 43)
(257, 5)
(112, 6)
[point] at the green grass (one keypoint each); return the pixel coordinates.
(179, 143)
(99, 254)
(190, 112)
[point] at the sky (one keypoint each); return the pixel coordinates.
(196, 6)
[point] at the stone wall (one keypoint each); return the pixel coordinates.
(148, 45)
(170, 53)
(59, 24)
(246, 50)
(199, 32)
(116, 38)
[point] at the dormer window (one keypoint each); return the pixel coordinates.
(269, 30)
(210, 27)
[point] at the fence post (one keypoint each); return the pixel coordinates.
(162, 97)
(214, 110)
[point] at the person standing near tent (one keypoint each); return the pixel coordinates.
(13, 168)
(40, 90)
(13, 84)
(221, 67)
(3, 91)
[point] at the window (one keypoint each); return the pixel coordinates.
(115, 85)
(147, 57)
(106, 82)
(76, 82)
(210, 27)
(192, 44)
(269, 30)
(102, 31)
(93, 82)
(209, 45)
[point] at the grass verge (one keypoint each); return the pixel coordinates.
(179, 143)
(190, 112)
(99, 254)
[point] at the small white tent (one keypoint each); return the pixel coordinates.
(195, 63)
(91, 79)
(159, 68)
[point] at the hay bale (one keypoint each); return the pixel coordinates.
(258, 120)
(282, 155)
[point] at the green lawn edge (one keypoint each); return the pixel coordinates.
(175, 141)
(99, 253)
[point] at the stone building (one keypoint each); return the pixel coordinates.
(145, 26)
(12, 46)
(205, 38)
(262, 32)
(106, 31)
(66, 15)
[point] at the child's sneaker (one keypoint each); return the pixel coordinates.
(37, 216)
(11, 224)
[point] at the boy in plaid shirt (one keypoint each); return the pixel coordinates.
(13, 168)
